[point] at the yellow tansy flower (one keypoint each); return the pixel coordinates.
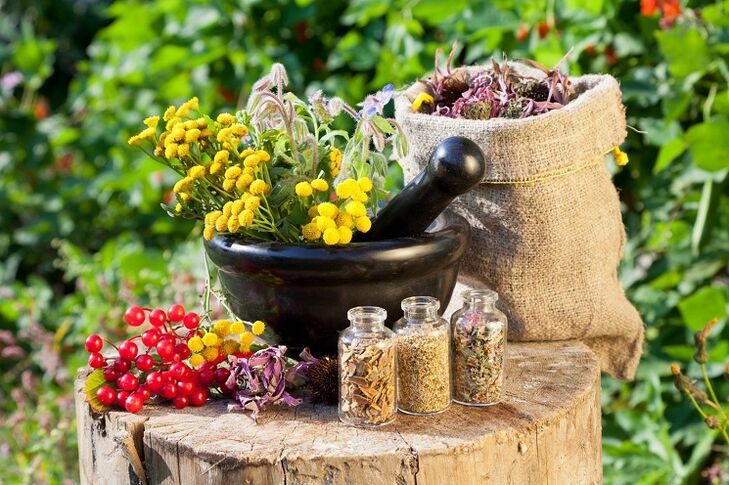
(252, 160)
(222, 328)
(237, 328)
(246, 339)
(253, 203)
(258, 327)
(215, 167)
(331, 236)
(224, 135)
(420, 100)
(192, 135)
(263, 155)
(239, 130)
(211, 217)
(183, 150)
(344, 219)
(327, 209)
(359, 196)
(363, 224)
(151, 121)
(196, 172)
(346, 188)
(225, 119)
(621, 158)
(227, 208)
(324, 223)
(313, 211)
(209, 233)
(233, 224)
(365, 184)
(237, 207)
(182, 184)
(320, 185)
(169, 113)
(228, 184)
(246, 218)
(221, 156)
(178, 208)
(229, 347)
(221, 224)
(303, 189)
(233, 172)
(135, 140)
(345, 235)
(210, 339)
(244, 181)
(356, 208)
(195, 344)
(311, 232)
(196, 360)
(258, 187)
(171, 150)
(210, 353)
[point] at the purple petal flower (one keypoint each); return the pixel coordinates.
(11, 80)
(374, 104)
(260, 380)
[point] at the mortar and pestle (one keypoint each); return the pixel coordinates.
(413, 248)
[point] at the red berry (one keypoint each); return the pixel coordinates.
(180, 402)
(128, 350)
(198, 396)
(180, 371)
(191, 320)
(106, 395)
(144, 391)
(127, 382)
(183, 351)
(168, 377)
(157, 317)
(122, 365)
(168, 390)
(121, 398)
(134, 403)
(221, 375)
(155, 381)
(144, 362)
(184, 388)
(151, 337)
(94, 343)
(110, 374)
(176, 313)
(134, 316)
(206, 376)
(96, 360)
(166, 349)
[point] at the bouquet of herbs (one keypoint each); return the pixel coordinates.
(277, 170)
(498, 91)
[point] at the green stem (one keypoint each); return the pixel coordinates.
(710, 388)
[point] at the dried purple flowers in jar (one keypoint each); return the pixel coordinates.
(478, 342)
(367, 375)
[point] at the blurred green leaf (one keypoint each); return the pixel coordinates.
(700, 307)
(685, 50)
(708, 144)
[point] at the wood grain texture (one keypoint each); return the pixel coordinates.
(547, 431)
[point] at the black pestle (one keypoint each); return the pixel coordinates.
(455, 167)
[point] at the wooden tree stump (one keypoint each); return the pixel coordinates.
(547, 430)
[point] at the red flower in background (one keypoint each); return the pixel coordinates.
(670, 10)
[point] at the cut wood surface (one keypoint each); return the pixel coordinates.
(547, 431)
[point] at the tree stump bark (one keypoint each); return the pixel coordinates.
(547, 430)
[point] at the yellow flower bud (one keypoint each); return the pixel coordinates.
(324, 223)
(246, 218)
(327, 209)
(183, 151)
(210, 353)
(237, 207)
(209, 233)
(359, 196)
(201, 123)
(215, 167)
(233, 224)
(192, 136)
(346, 188)
(221, 156)
(227, 208)
(365, 184)
(182, 184)
(244, 181)
(135, 140)
(345, 235)
(169, 113)
(210, 340)
(313, 211)
(171, 151)
(356, 208)
(311, 232)
(196, 360)
(224, 135)
(258, 327)
(363, 224)
(344, 219)
(195, 344)
(222, 328)
(320, 185)
(258, 187)
(252, 160)
(225, 119)
(177, 134)
(246, 339)
(331, 236)
(253, 203)
(228, 184)
(303, 189)
(151, 121)
(221, 224)
(237, 328)
(229, 347)
(239, 130)
(211, 217)
(196, 172)
(178, 208)
(233, 172)
(173, 122)
(263, 155)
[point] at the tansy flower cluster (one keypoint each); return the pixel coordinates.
(277, 170)
(224, 338)
(334, 222)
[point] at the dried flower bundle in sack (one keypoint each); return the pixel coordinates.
(547, 230)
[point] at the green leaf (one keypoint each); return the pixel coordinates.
(708, 145)
(92, 384)
(668, 153)
(383, 125)
(716, 14)
(702, 306)
(685, 50)
(435, 11)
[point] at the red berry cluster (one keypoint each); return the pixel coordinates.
(158, 368)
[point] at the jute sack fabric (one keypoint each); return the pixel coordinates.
(547, 230)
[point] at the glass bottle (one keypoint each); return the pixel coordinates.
(478, 343)
(423, 357)
(367, 369)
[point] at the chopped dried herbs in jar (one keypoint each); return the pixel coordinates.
(478, 344)
(423, 373)
(367, 384)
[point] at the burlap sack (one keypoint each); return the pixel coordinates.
(547, 229)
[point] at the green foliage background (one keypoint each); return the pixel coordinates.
(83, 234)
